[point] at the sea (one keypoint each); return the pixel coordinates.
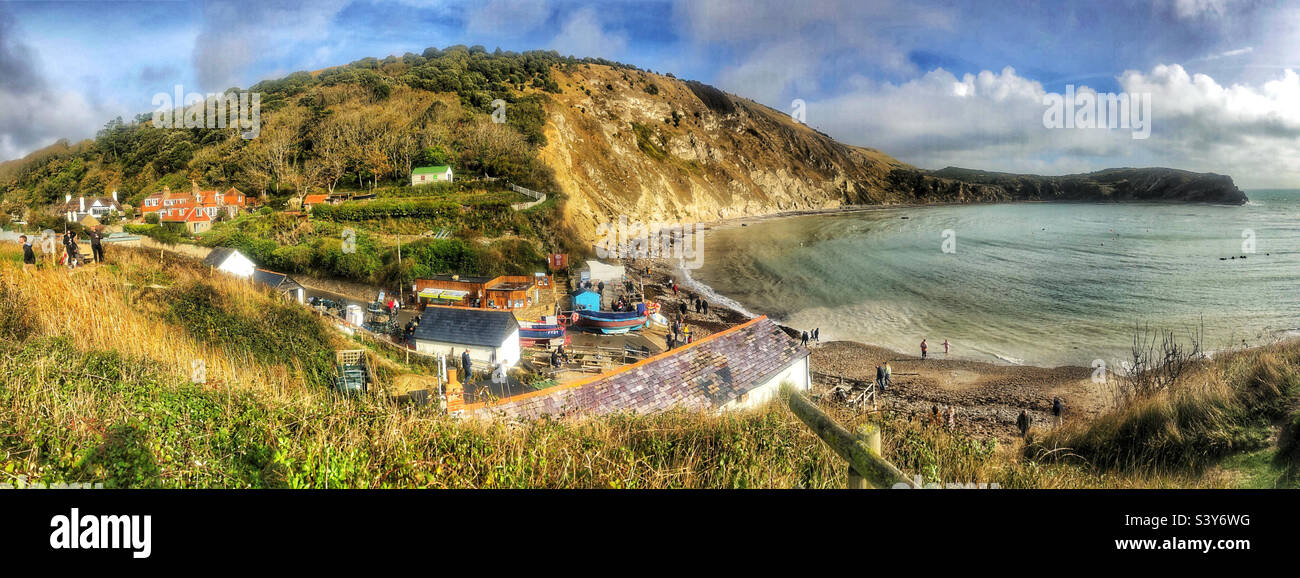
(1021, 283)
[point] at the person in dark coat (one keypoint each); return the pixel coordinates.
(880, 377)
(1023, 422)
(96, 244)
(73, 250)
(804, 338)
(29, 256)
(465, 365)
(1058, 407)
(682, 307)
(704, 306)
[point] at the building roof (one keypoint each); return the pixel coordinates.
(466, 326)
(706, 374)
(459, 279)
(430, 170)
(278, 281)
(314, 199)
(75, 203)
(219, 255)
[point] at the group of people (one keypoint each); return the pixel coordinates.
(884, 376)
(815, 335)
(947, 417)
(925, 348)
(678, 334)
(71, 249)
(1024, 420)
(559, 356)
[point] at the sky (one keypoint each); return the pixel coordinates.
(932, 83)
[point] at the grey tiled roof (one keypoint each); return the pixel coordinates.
(705, 375)
(275, 280)
(466, 326)
(218, 256)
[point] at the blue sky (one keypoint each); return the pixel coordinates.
(933, 83)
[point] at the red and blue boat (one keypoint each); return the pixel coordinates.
(533, 333)
(611, 322)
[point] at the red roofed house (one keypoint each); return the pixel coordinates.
(310, 200)
(177, 207)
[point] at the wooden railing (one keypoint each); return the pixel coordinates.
(866, 468)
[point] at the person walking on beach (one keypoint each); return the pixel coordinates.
(674, 288)
(29, 256)
(924, 347)
(704, 305)
(1023, 423)
(889, 374)
(817, 335)
(686, 330)
(96, 244)
(804, 338)
(1058, 407)
(880, 377)
(945, 347)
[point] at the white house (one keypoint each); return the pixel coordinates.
(426, 175)
(492, 337)
(97, 207)
(231, 262)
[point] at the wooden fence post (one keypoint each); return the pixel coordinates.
(862, 451)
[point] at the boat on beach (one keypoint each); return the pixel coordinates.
(611, 322)
(535, 333)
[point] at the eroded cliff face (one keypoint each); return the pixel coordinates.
(656, 149)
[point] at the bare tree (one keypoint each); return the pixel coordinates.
(1158, 360)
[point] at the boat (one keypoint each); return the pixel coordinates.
(611, 322)
(535, 333)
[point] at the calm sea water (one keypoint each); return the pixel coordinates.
(1035, 283)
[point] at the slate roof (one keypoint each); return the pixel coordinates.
(278, 281)
(707, 375)
(218, 256)
(466, 326)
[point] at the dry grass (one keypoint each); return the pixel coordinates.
(95, 387)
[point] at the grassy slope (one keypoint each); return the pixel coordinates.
(95, 386)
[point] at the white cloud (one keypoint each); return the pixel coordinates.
(582, 34)
(994, 121)
(506, 18)
(234, 36)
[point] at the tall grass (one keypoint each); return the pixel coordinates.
(96, 386)
(1226, 406)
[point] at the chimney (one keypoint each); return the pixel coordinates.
(67, 199)
(83, 204)
(114, 196)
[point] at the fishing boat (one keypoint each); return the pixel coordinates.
(611, 322)
(534, 333)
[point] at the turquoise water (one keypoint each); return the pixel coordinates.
(1034, 283)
